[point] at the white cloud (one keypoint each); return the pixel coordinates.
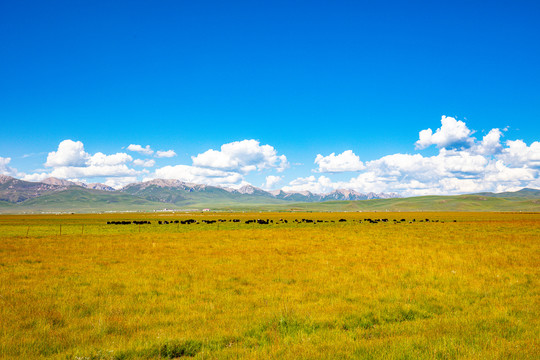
(490, 145)
(165, 154)
(452, 134)
(459, 163)
(71, 161)
(198, 175)
(100, 159)
(69, 153)
(67, 172)
(458, 186)
(463, 164)
(499, 173)
(319, 185)
(242, 156)
(144, 163)
(346, 161)
(142, 150)
(400, 172)
(398, 164)
(483, 166)
(518, 154)
(365, 183)
(35, 176)
(120, 182)
(272, 181)
(4, 168)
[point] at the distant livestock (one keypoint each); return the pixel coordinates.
(270, 221)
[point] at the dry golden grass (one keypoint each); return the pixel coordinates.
(422, 290)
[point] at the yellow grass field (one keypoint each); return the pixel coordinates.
(461, 286)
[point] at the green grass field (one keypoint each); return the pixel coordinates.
(461, 286)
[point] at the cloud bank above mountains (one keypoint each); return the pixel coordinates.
(463, 164)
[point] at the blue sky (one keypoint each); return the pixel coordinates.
(360, 79)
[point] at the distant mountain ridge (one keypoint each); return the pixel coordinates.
(14, 190)
(523, 193)
(176, 192)
(67, 183)
(62, 195)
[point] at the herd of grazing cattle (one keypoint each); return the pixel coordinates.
(136, 222)
(268, 221)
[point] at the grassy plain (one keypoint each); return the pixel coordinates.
(73, 287)
(81, 200)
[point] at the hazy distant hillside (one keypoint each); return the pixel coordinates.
(523, 193)
(78, 199)
(424, 203)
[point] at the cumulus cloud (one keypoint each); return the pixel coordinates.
(67, 172)
(416, 174)
(4, 168)
(72, 161)
(142, 150)
(449, 172)
(366, 182)
(242, 156)
(462, 165)
(120, 182)
(198, 175)
(227, 166)
(100, 159)
(144, 163)
(69, 153)
(319, 185)
(446, 163)
(518, 154)
(346, 161)
(165, 154)
(35, 176)
(272, 181)
(452, 134)
(490, 144)
(500, 174)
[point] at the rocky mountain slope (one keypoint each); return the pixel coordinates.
(15, 190)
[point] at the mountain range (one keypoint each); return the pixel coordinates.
(57, 195)
(166, 192)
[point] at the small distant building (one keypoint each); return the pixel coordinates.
(205, 209)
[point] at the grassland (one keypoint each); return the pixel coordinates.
(461, 286)
(420, 203)
(81, 200)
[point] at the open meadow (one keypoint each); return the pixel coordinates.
(459, 286)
